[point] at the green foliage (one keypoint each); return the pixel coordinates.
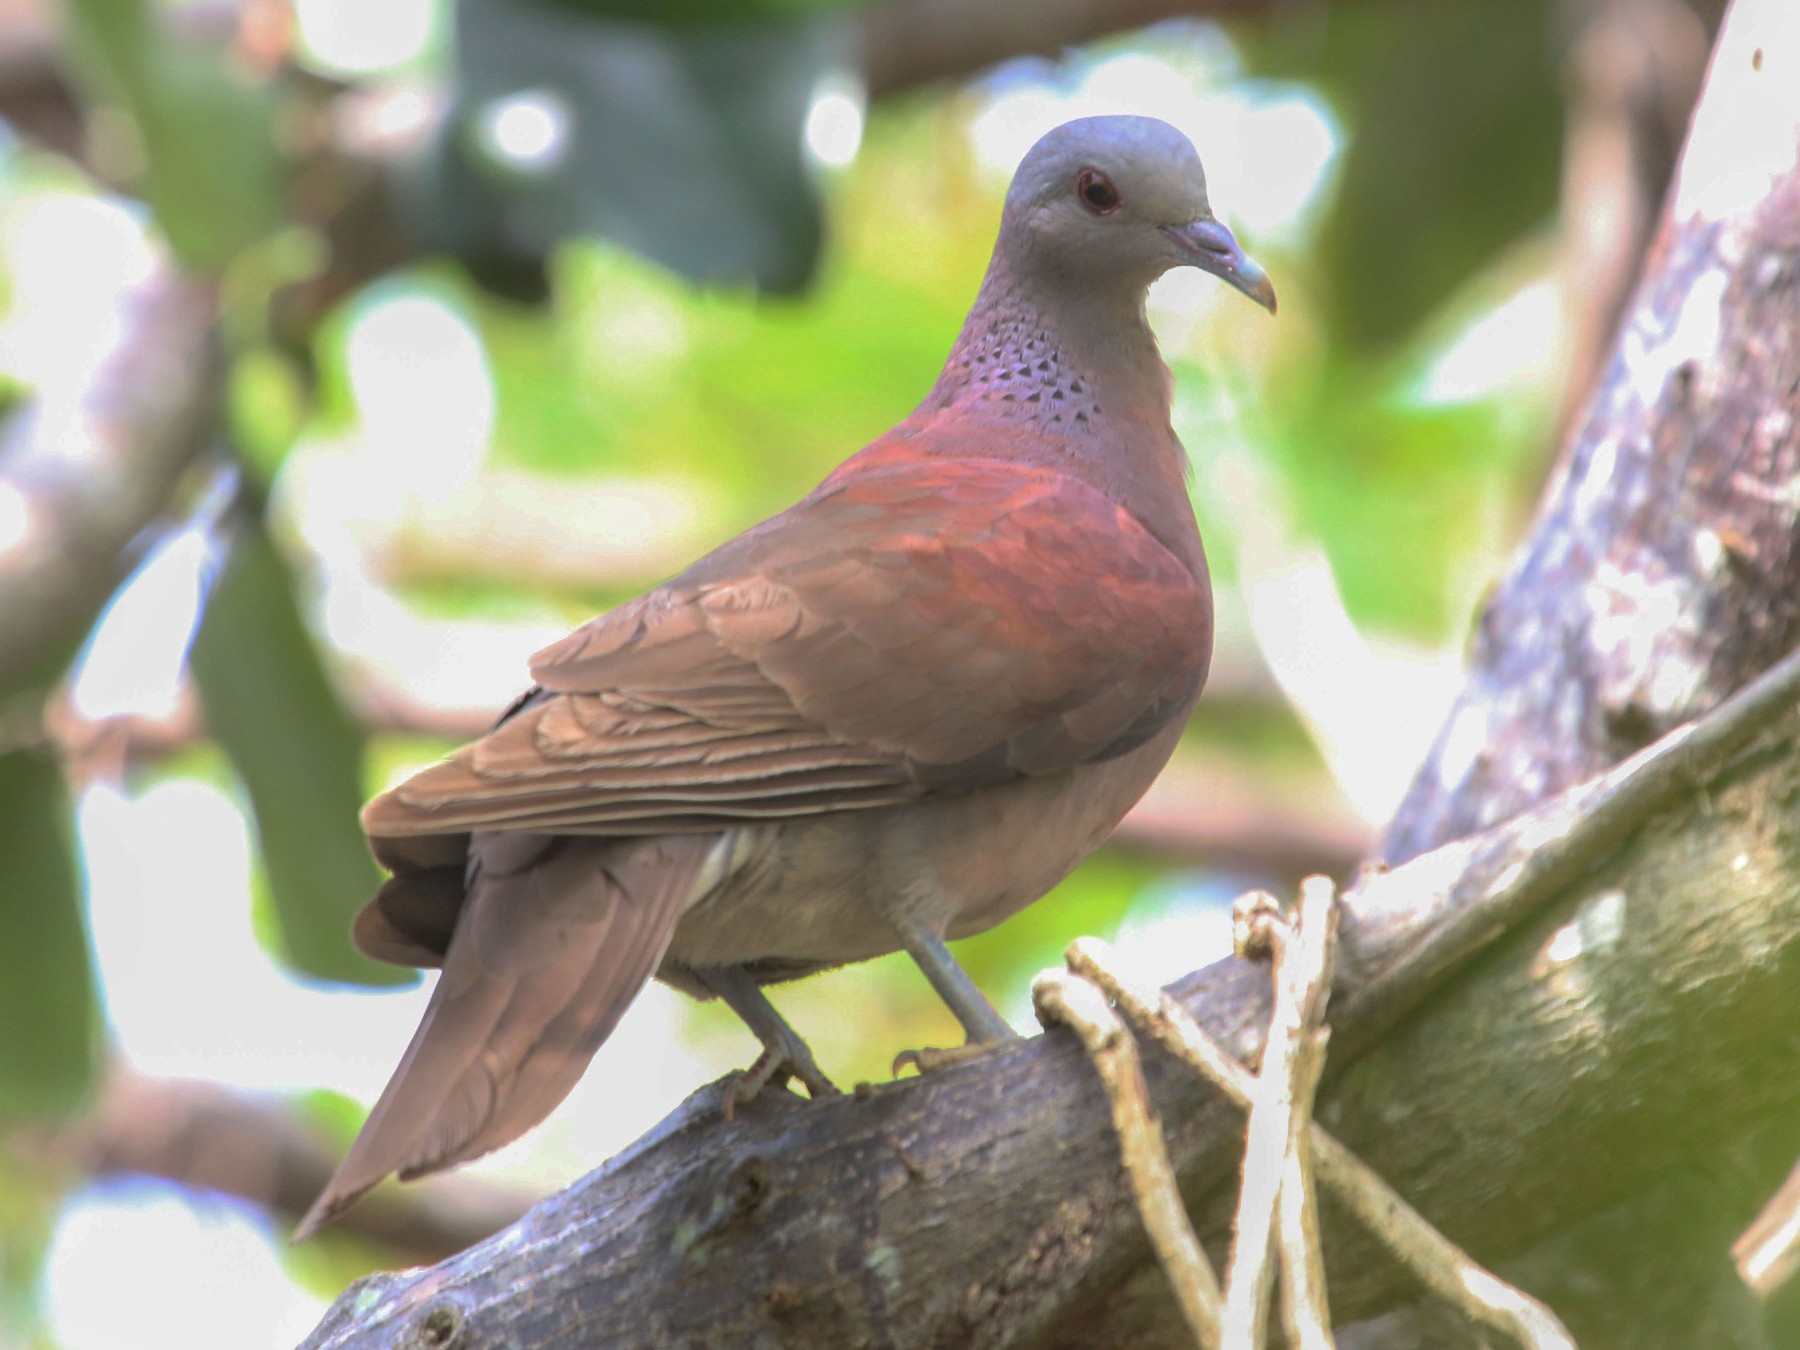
(266, 406)
(270, 704)
(204, 126)
(1092, 899)
(49, 1021)
(637, 372)
(683, 143)
(30, 1199)
(1455, 119)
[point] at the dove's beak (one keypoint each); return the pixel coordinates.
(1208, 245)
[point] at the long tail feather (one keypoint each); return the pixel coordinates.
(556, 938)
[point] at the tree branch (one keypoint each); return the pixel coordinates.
(83, 470)
(1066, 1000)
(1661, 575)
(1664, 570)
(1439, 1264)
(908, 43)
(210, 1138)
(1631, 72)
(945, 1233)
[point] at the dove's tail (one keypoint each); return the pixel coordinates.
(554, 939)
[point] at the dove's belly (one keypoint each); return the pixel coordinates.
(804, 895)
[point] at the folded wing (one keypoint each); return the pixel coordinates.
(904, 630)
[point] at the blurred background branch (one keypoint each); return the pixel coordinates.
(88, 465)
(202, 1136)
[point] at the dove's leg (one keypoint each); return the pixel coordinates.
(784, 1053)
(959, 992)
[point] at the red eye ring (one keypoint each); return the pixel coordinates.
(1095, 191)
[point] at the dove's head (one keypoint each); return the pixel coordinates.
(1122, 200)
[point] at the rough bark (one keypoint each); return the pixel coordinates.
(1663, 570)
(982, 1206)
(1661, 575)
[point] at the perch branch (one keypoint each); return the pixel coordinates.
(994, 1258)
(1077, 1004)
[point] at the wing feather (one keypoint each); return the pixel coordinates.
(914, 626)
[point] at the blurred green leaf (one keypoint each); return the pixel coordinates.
(1455, 121)
(31, 1197)
(1091, 899)
(270, 704)
(49, 1021)
(683, 144)
(266, 407)
(211, 168)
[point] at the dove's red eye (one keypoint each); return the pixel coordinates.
(1096, 192)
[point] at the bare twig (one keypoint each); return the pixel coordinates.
(1303, 969)
(1442, 1266)
(1768, 1254)
(1077, 1004)
(1277, 1127)
(1305, 1308)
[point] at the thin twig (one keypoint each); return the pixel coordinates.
(1767, 1254)
(1306, 1312)
(1059, 997)
(1276, 1129)
(1305, 1308)
(1442, 1266)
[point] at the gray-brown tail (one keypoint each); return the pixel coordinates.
(557, 936)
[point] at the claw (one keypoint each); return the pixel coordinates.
(777, 1066)
(929, 1057)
